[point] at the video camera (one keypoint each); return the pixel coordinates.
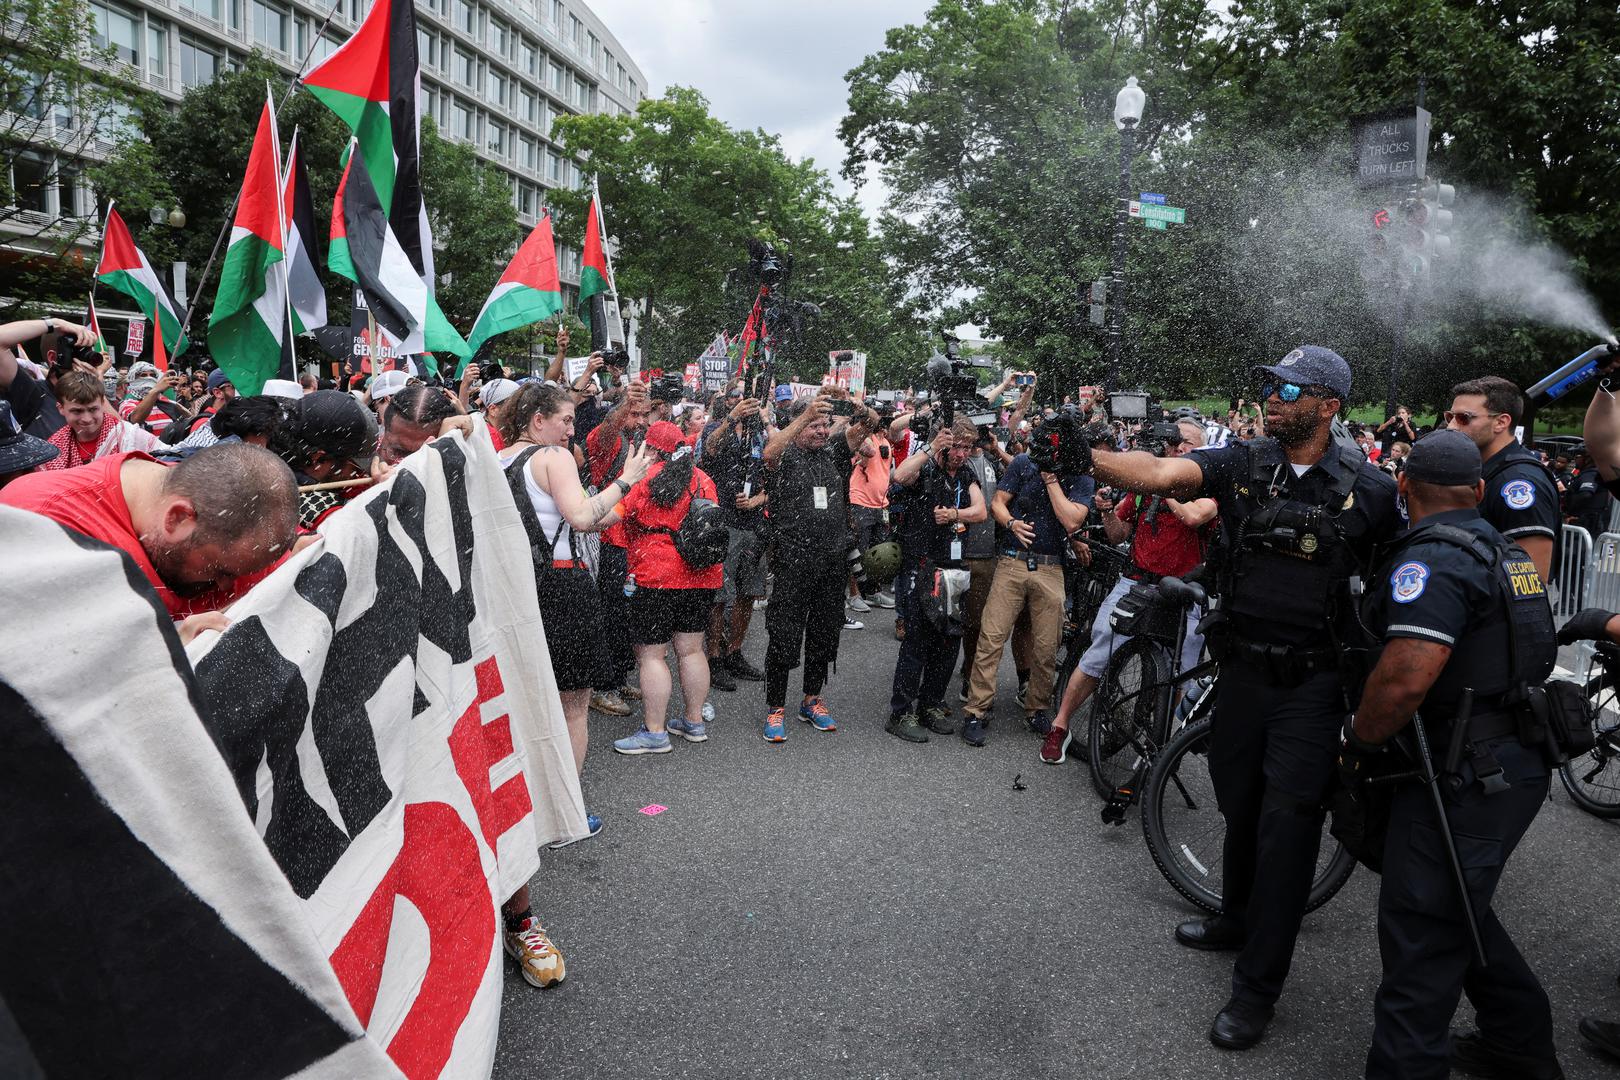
(1156, 429)
(954, 388)
(668, 387)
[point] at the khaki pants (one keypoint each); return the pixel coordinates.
(1014, 588)
(982, 572)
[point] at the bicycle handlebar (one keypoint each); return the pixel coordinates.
(1183, 592)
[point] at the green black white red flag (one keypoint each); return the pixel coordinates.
(365, 250)
(305, 292)
(124, 267)
(528, 291)
(93, 322)
(249, 327)
(594, 277)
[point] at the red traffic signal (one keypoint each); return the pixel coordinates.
(1380, 217)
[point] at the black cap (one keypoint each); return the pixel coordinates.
(1312, 365)
(20, 451)
(334, 422)
(1445, 457)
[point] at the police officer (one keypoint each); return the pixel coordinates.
(1457, 607)
(807, 469)
(1521, 494)
(1300, 515)
(941, 497)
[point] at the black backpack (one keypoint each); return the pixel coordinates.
(702, 539)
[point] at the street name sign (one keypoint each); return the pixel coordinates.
(1150, 197)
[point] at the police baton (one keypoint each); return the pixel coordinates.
(1432, 781)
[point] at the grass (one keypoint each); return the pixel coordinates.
(1565, 421)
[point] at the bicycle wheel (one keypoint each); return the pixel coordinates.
(1129, 719)
(1185, 831)
(1593, 779)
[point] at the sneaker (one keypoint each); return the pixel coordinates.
(906, 727)
(644, 742)
(759, 605)
(1055, 748)
(630, 693)
(1038, 722)
(708, 712)
(593, 825)
(853, 624)
(899, 629)
(1475, 1055)
(739, 666)
(1018, 696)
(973, 730)
(774, 731)
(814, 713)
(719, 677)
(698, 732)
(610, 703)
(855, 603)
(881, 599)
(938, 720)
(537, 958)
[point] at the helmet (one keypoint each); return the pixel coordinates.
(881, 562)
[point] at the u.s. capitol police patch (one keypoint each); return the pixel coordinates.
(1406, 584)
(1519, 494)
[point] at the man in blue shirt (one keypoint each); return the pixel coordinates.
(1038, 511)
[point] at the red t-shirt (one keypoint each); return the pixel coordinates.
(90, 500)
(1166, 546)
(495, 437)
(653, 558)
(599, 459)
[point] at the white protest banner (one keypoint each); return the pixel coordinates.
(574, 368)
(692, 377)
(206, 964)
(848, 369)
(403, 741)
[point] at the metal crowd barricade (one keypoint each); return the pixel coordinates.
(1603, 573)
(1576, 571)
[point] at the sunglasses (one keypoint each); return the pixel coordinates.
(1292, 392)
(1464, 418)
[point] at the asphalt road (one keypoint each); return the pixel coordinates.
(848, 905)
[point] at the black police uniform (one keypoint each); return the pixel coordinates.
(808, 545)
(922, 670)
(1291, 544)
(1521, 496)
(1486, 601)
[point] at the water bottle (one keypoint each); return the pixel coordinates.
(1190, 698)
(708, 712)
(629, 586)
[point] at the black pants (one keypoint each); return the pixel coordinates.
(1423, 939)
(619, 658)
(806, 612)
(922, 671)
(1273, 753)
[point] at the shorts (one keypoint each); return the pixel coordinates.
(571, 613)
(656, 615)
(1105, 639)
(745, 567)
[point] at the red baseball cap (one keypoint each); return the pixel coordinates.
(664, 437)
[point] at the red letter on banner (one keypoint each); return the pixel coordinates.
(476, 746)
(439, 870)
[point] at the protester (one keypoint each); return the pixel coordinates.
(494, 397)
(607, 449)
(20, 452)
(732, 453)
(328, 437)
(93, 429)
(807, 480)
(669, 598)
(199, 530)
(252, 419)
(144, 401)
(414, 415)
(32, 399)
(385, 385)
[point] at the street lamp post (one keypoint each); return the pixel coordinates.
(1127, 114)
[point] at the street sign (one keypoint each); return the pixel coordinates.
(1135, 208)
(1155, 223)
(1099, 292)
(1175, 215)
(1392, 147)
(1099, 314)
(1150, 197)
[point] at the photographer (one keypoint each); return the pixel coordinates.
(1398, 426)
(732, 452)
(807, 469)
(869, 506)
(607, 448)
(33, 401)
(941, 499)
(1038, 509)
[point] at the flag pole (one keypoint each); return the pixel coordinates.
(290, 349)
(230, 211)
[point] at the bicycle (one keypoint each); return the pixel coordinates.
(1593, 778)
(1086, 587)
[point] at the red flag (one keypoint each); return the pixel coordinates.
(750, 332)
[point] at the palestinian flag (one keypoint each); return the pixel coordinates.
(364, 249)
(248, 329)
(528, 292)
(93, 322)
(593, 269)
(124, 267)
(751, 331)
(304, 289)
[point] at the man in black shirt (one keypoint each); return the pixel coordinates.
(733, 449)
(1521, 495)
(940, 498)
(807, 469)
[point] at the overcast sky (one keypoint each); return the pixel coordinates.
(774, 66)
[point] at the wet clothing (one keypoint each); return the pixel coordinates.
(1023, 482)
(1521, 495)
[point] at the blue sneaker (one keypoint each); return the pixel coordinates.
(644, 742)
(813, 712)
(698, 732)
(774, 731)
(592, 823)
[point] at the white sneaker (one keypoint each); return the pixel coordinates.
(853, 624)
(855, 603)
(882, 600)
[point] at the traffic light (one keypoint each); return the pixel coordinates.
(1414, 241)
(1436, 197)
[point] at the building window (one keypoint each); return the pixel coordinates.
(523, 103)
(117, 30)
(208, 9)
(557, 14)
(269, 26)
(466, 69)
(618, 80)
(461, 121)
(553, 168)
(528, 57)
(633, 97)
(197, 64)
(30, 181)
(543, 120)
(529, 157)
(593, 49)
(556, 77)
(157, 52)
(500, 38)
(463, 15)
(495, 87)
(495, 138)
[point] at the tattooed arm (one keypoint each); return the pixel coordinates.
(554, 470)
(1397, 686)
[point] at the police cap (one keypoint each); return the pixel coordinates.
(1447, 458)
(1312, 365)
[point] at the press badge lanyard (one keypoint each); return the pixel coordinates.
(956, 526)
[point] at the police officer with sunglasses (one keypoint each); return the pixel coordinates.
(1300, 516)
